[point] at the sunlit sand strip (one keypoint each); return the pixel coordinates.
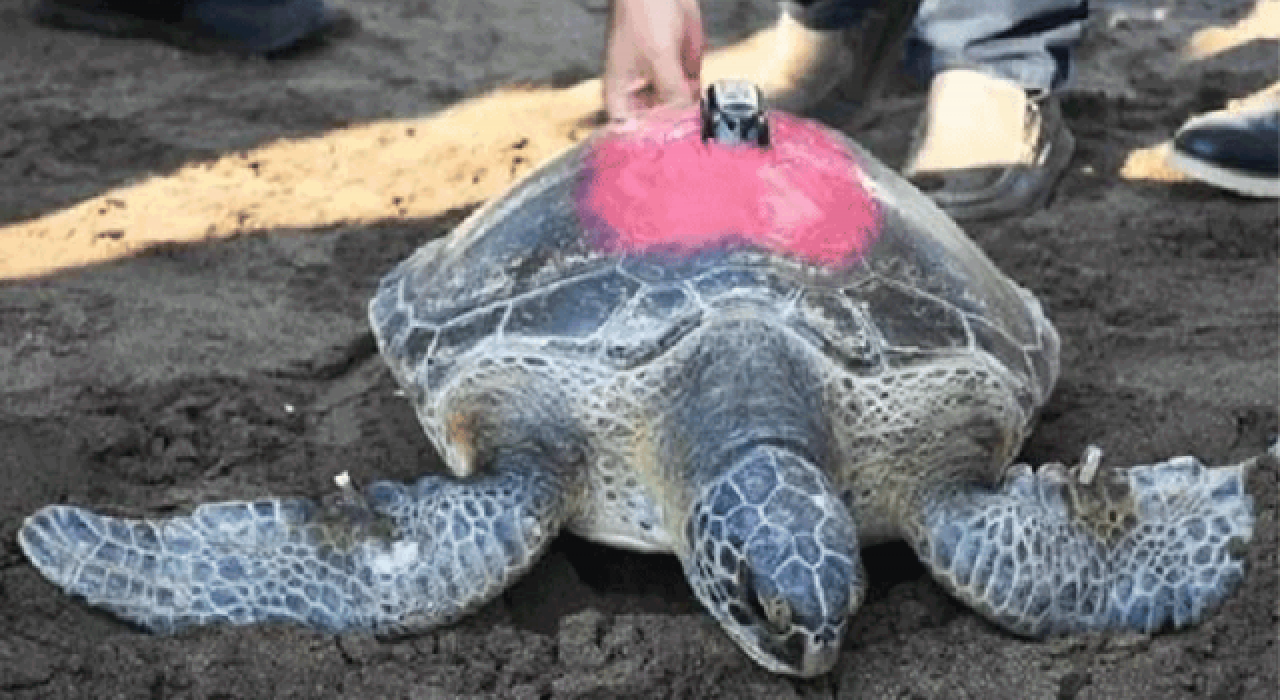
(1262, 23)
(401, 168)
(1151, 164)
(406, 168)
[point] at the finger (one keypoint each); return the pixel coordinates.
(618, 82)
(691, 62)
(671, 84)
(693, 42)
(616, 101)
(692, 47)
(675, 57)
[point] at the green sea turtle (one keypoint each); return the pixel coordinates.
(731, 336)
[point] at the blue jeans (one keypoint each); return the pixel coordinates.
(1025, 41)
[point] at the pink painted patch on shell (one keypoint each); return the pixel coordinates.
(655, 186)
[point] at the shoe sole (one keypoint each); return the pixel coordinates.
(1003, 200)
(122, 26)
(1225, 178)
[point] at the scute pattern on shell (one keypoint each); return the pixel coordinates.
(923, 325)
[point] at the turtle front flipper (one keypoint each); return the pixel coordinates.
(1053, 552)
(393, 559)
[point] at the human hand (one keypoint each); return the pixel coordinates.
(653, 55)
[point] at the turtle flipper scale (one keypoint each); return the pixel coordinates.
(408, 557)
(1138, 549)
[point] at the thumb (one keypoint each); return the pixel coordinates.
(671, 83)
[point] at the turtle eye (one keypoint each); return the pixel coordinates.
(773, 611)
(777, 613)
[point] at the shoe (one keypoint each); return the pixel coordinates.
(835, 75)
(264, 27)
(1237, 150)
(986, 149)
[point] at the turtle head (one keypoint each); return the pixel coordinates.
(772, 553)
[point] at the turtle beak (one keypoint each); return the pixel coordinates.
(821, 653)
(801, 654)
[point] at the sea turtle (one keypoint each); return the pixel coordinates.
(732, 336)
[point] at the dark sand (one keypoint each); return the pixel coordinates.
(187, 244)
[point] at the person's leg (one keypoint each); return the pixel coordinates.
(992, 142)
(1027, 42)
(242, 26)
(827, 15)
(830, 56)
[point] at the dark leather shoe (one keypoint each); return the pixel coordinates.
(1235, 150)
(985, 149)
(241, 26)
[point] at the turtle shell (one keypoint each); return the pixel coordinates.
(615, 250)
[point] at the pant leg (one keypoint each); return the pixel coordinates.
(825, 15)
(1026, 41)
